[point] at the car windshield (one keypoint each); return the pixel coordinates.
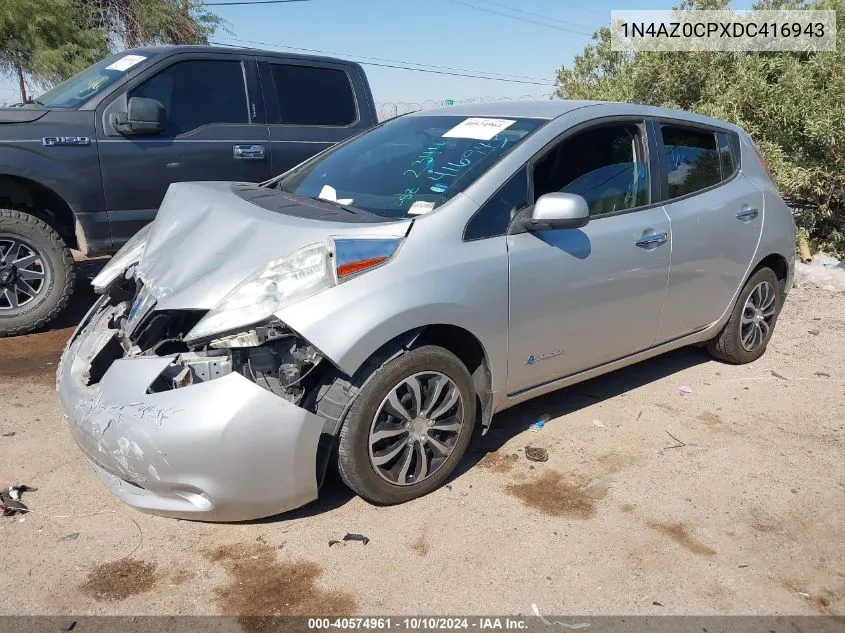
(75, 91)
(409, 166)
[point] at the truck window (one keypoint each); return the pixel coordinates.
(309, 95)
(198, 92)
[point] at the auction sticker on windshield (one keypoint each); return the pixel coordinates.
(126, 62)
(478, 128)
(420, 207)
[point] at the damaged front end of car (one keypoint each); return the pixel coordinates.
(206, 413)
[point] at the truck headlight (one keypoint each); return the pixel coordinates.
(130, 254)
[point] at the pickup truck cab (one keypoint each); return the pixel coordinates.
(87, 164)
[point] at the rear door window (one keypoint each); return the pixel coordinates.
(692, 159)
(311, 95)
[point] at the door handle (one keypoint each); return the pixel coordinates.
(652, 240)
(746, 214)
(248, 152)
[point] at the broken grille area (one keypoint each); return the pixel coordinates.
(163, 332)
(159, 332)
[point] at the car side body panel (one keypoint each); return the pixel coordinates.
(712, 251)
(465, 285)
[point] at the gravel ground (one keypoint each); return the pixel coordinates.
(726, 500)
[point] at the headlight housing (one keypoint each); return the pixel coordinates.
(130, 254)
(280, 283)
(287, 280)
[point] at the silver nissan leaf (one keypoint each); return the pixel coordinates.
(381, 301)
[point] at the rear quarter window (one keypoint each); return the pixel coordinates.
(728, 154)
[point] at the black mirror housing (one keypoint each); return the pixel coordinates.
(144, 116)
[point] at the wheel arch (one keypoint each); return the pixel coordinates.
(465, 345)
(778, 264)
(470, 351)
(455, 339)
(30, 196)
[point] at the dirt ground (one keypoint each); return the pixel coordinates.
(726, 500)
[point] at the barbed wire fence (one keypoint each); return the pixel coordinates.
(390, 109)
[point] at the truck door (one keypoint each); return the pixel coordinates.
(311, 105)
(214, 130)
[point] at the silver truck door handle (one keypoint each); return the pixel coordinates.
(746, 214)
(652, 240)
(248, 152)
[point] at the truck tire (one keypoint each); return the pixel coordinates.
(37, 273)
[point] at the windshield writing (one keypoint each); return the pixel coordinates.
(408, 166)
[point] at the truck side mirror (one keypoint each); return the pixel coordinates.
(144, 116)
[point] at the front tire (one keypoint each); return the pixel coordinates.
(752, 322)
(408, 426)
(37, 273)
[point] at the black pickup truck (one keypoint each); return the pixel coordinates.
(86, 164)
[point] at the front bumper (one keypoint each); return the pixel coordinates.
(221, 450)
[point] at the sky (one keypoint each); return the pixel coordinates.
(526, 40)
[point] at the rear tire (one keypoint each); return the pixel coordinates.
(37, 273)
(752, 322)
(417, 453)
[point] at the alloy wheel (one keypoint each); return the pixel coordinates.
(757, 316)
(24, 274)
(415, 428)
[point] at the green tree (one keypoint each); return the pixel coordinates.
(792, 104)
(44, 41)
(131, 23)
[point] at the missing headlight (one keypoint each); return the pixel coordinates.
(283, 366)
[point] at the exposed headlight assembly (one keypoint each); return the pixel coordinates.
(130, 254)
(290, 279)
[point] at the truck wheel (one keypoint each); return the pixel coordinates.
(407, 427)
(37, 273)
(750, 326)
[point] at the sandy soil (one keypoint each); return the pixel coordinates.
(727, 500)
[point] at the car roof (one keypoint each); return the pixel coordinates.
(236, 50)
(552, 109)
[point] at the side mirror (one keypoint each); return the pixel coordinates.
(559, 211)
(144, 116)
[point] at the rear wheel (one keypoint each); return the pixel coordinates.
(408, 426)
(752, 322)
(37, 273)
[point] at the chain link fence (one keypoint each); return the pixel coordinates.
(390, 109)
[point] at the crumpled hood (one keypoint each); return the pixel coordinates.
(205, 240)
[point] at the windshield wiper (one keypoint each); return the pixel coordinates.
(345, 207)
